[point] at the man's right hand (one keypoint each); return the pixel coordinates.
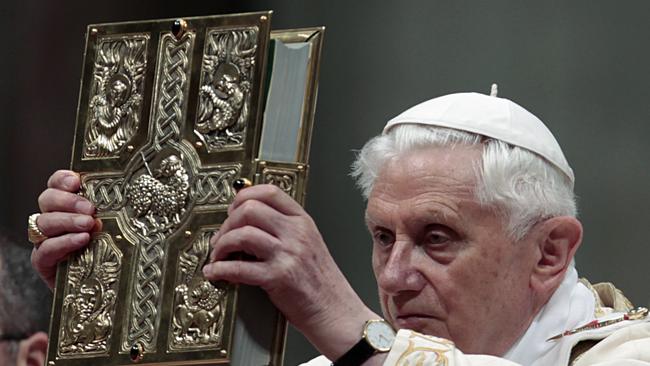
(67, 220)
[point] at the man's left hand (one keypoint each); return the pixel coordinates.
(292, 264)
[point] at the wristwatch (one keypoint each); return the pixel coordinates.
(378, 336)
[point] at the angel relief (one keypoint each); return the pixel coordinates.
(89, 303)
(227, 73)
(114, 110)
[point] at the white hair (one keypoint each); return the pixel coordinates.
(519, 184)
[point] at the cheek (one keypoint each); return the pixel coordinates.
(378, 262)
(378, 266)
(488, 264)
(473, 278)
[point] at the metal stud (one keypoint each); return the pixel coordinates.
(137, 352)
(241, 183)
(179, 27)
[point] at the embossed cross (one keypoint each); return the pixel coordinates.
(170, 114)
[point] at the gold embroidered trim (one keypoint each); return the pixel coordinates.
(420, 352)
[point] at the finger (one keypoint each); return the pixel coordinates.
(54, 250)
(66, 180)
(253, 213)
(57, 223)
(270, 195)
(249, 273)
(57, 200)
(247, 239)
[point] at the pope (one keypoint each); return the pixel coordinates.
(472, 217)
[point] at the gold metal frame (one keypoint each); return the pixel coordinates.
(158, 143)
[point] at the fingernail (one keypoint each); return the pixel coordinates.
(207, 270)
(83, 222)
(99, 225)
(84, 206)
(80, 238)
(70, 181)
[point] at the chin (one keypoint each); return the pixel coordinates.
(422, 324)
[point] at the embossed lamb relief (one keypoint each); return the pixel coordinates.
(170, 113)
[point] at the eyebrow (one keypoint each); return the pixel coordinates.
(446, 214)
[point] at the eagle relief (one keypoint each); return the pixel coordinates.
(225, 93)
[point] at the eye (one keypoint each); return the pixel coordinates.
(438, 235)
(383, 237)
(436, 238)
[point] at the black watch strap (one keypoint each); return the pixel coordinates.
(356, 355)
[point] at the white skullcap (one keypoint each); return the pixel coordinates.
(490, 116)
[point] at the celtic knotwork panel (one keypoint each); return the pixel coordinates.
(89, 299)
(157, 199)
(226, 85)
(106, 193)
(172, 85)
(284, 179)
(215, 186)
(199, 308)
(116, 94)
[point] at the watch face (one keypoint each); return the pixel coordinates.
(380, 335)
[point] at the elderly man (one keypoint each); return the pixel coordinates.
(472, 216)
(23, 341)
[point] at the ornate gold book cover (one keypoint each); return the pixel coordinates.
(170, 113)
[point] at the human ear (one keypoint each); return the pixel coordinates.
(558, 240)
(31, 351)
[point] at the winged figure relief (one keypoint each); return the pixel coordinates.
(88, 308)
(114, 110)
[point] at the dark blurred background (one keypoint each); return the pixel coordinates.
(581, 66)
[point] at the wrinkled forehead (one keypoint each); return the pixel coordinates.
(454, 161)
(450, 171)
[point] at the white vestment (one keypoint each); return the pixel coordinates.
(574, 303)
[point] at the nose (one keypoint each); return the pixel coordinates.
(398, 272)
